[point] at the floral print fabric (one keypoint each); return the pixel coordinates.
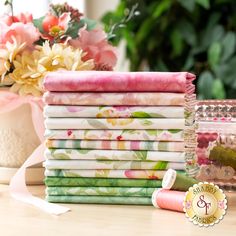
(85, 154)
(126, 134)
(114, 111)
(113, 123)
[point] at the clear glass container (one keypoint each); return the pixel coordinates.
(216, 142)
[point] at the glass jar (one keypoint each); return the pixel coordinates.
(216, 142)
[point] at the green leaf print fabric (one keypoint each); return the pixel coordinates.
(114, 165)
(85, 154)
(101, 200)
(106, 174)
(101, 182)
(100, 191)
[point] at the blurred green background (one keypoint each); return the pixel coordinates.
(180, 35)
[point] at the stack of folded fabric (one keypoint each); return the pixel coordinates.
(112, 135)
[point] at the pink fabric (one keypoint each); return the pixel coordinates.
(135, 145)
(119, 99)
(108, 81)
(106, 145)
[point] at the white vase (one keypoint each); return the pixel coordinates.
(17, 141)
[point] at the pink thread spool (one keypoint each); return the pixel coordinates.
(168, 199)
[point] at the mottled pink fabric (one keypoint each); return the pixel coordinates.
(108, 81)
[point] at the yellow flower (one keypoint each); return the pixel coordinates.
(61, 56)
(28, 74)
(7, 54)
(4, 66)
(14, 48)
(31, 66)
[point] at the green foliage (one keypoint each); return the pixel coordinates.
(182, 35)
(38, 23)
(90, 24)
(73, 29)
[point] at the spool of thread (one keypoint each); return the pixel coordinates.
(176, 181)
(168, 199)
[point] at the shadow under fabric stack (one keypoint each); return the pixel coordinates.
(111, 136)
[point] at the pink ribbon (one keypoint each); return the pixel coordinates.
(10, 101)
(18, 189)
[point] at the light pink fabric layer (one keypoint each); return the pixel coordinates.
(106, 99)
(107, 81)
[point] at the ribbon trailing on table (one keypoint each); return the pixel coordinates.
(8, 102)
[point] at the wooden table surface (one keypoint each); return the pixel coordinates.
(20, 219)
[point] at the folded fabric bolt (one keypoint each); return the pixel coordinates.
(114, 111)
(149, 135)
(129, 174)
(101, 200)
(115, 165)
(113, 123)
(109, 99)
(76, 154)
(116, 145)
(104, 81)
(100, 191)
(101, 182)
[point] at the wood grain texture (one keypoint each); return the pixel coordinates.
(17, 218)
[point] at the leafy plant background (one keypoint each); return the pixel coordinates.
(181, 35)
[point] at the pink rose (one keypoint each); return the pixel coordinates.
(23, 33)
(95, 44)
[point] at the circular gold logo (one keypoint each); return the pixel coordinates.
(205, 204)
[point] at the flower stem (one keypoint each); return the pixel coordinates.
(10, 4)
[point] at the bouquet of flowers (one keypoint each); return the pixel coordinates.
(61, 40)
